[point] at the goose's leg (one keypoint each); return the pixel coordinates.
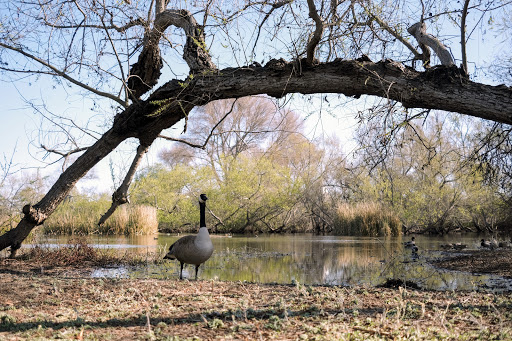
(197, 269)
(181, 270)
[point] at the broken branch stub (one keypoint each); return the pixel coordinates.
(419, 31)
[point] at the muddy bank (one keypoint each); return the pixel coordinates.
(496, 262)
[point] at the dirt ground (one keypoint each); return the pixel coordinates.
(62, 302)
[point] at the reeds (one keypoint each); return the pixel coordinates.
(81, 218)
(365, 219)
(132, 220)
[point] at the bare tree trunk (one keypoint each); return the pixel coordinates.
(120, 196)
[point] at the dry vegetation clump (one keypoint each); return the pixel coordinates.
(365, 219)
(44, 307)
(81, 218)
(131, 220)
(79, 253)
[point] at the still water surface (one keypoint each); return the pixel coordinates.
(304, 258)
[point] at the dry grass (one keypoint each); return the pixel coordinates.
(49, 308)
(78, 252)
(82, 219)
(366, 219)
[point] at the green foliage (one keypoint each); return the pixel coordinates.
(168, 191)
(252, 194)
(427, 180)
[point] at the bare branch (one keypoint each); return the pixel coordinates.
(419, 31)
(64, 75)
(463, 36)
(202, 146)
(275, 6)
(392, 31)
(64, 154)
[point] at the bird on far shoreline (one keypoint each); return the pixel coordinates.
(410, 243)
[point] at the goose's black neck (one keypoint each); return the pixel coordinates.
(202, 206)
(202, 218)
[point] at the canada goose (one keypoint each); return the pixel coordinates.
(410, 243)
(193, 249)
(486, 244)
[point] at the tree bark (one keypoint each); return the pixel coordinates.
(443, 88)
(419, 31)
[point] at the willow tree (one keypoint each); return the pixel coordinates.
(127, 54)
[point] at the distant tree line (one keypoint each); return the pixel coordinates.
(436, 173)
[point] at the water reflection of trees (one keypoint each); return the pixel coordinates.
(287, 258)
(309, 260)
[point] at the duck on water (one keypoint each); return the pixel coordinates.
(193, 249)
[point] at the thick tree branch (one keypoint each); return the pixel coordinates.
(145, 73)
(442, 88)
(120, 196)
(317, 34)
(419, 31)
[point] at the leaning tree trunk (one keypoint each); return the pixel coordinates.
(133, 122)
(35, 215)
(444, 88)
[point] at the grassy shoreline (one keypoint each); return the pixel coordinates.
(51, 307)
(49, 295)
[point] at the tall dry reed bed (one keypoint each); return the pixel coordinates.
(365, 219)
(81, 218)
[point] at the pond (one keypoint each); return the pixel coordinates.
(305, 259)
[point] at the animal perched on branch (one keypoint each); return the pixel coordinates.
(193, 249)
